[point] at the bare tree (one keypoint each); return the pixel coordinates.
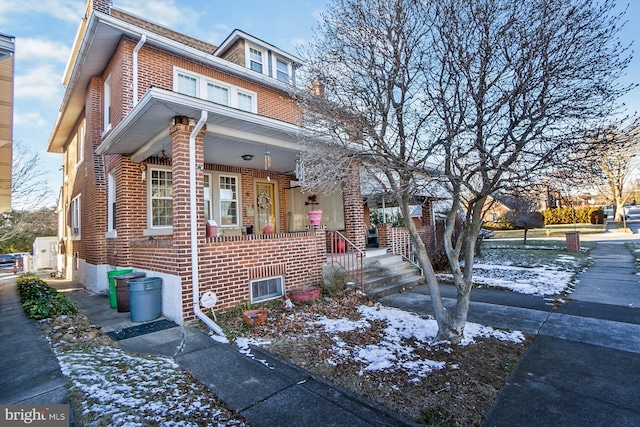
(28, 193)
(492, 91)
(617, 160)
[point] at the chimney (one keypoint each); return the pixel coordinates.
(103, 6)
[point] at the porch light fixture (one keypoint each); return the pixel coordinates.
(247, 157)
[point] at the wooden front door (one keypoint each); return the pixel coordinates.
(266, 204)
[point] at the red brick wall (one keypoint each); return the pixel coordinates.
(354, 209)
(156, 69)
(228, 263)
(88, 180)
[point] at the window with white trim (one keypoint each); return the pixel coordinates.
(256, 60)
(266, 289)
(228, 192)
(111, 202)
(106, 95)
(283, 70)
(80, 144)
(187, 84)
(222, 93)
(161, 198)
(208, 206)
(218, 93)
(75, 216)
(222, 199)
(245, 102)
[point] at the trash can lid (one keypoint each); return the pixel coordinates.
(130, 275)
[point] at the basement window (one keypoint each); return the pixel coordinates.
(266, 289)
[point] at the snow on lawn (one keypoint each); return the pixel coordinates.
(124, 390)
(541, 280)
(404, 334)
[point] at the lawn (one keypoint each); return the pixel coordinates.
(552, 231)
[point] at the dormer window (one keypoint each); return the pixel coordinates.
(283, 70)
(256, 60)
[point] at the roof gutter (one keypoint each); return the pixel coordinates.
(143, 39)
(194, 227)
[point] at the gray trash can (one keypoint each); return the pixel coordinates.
(122, 289)
(145, 298)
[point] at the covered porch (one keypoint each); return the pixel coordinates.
(243, 167)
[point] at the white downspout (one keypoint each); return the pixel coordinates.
(143, 39)
(193, 212)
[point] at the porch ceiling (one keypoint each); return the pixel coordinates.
(231, 133)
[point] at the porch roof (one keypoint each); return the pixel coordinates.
(230, 133)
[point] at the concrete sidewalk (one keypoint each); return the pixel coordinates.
(582, 367)
(265, 394)
(30, 370)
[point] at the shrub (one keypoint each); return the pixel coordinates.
(41, 301)
(567, 215)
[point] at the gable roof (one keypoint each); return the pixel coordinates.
(96, 40)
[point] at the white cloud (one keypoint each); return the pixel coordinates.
(41, 49)
(42, 83)
(32, 119)
(65, 10)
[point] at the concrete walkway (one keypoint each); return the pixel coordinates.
(30, 371)
(582, 367)
(265, 390)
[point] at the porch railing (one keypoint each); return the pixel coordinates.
(402, 244)
(347, 255)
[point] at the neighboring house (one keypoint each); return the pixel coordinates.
(162, 133)
(7, 75)
(494, 210)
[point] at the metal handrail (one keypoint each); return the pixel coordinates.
(348, 256)
(402, 244)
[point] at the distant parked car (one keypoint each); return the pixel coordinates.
(7, 261)
(486, 234)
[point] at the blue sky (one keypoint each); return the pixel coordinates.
(45, 29)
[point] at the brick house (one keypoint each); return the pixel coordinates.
(161, 133)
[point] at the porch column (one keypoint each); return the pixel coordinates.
(427, 212)
(180, 130)
(354, 208)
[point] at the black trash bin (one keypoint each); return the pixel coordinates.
(145, 297)
(122, 289)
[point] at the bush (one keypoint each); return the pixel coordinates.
(41, 301)
(567, 215)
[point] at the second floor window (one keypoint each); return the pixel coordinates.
(217, 94)
(80, 144)
(187, 85)
(107, 103)
(75, 216)
(222, 93)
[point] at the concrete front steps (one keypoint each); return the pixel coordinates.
(387, 274)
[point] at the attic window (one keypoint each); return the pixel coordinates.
(282, 70)
(255, 60)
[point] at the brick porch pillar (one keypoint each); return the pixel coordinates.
(384, 235)
(354, 208)
(180, 131)
(427, 213)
